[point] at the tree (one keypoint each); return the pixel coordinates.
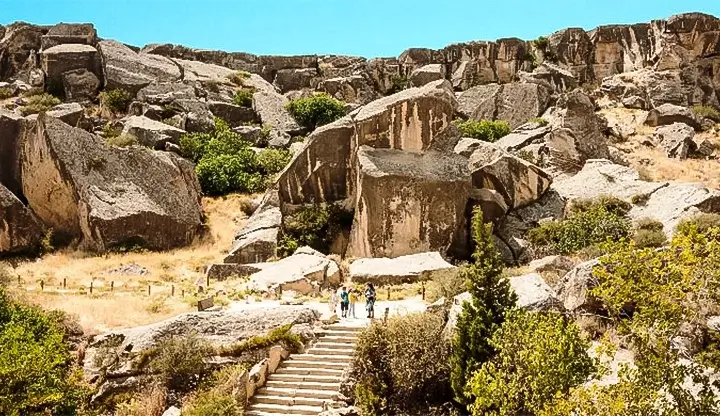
(492, 299)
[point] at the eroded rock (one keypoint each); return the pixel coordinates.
(404, 269)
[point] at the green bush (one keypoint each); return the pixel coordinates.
(402, 365)
(590, 222)
(539, 356)
(701, 223)
(5, 93)
(109, 131)
(492, 299)
(649, 238)
(281, 335)
(485, 130)
(273, 161)
(706, 111)
(38, 104)
(539, 121)
(36, 376)
(238, 78)
(178, 360)
(316, 111)
(123, 140)
(217, 397)
(316, 226)
(117, 101)
(243, 97)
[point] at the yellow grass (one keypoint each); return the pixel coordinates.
(128, 304)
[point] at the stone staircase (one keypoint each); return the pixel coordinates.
(304, 382)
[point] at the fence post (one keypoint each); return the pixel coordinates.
(42, 285)
(207, 282)
(112, 285)
(182, 293)
(388, 293)
(148, 290)
(172, 291)
(64, 282)
(91, 287)
(423, 290)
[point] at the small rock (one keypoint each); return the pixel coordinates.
(131, 269)
(172, 411)
(667, 114)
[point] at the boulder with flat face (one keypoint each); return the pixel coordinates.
(676, 139)
(80, 85)
(270, 108)
(668, 114)
(128, 70)
(257, 240)
(20, 229)
(20, 42)
(295, 79)
(11, 130)
(70, 33)
(106, 196)
(516, 103)
(60, 59)
(533, 293)
(151, 133)
(404, 269)
(409, 202)
(427, 74)
(350, 89)
(302, 272)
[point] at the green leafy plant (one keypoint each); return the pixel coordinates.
(238, 78)
(38, 104)
(274, 161)
(315, 226)
(178, 360)
(123, 140)
(5, 93)
(244, 97)
(218, 396)
(492, 299)
(590, 222)
(701, 223)
(402, 366)
(281, 335)
(485, 130)
(109, 131)
(539, 356)
(539, 121)
(649, 233)
(318, 110)
(707, 112)
(528, 156)
(116, 101)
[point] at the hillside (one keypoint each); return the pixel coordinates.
(136, 182)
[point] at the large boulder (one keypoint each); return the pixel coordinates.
(270, 108)
(302, 272)
(518, 181)
(350, 89)
(515, 103)
(166, 93)
(20, 230)
(533, 292)
(318, 172)
(645, 89)
(74, 33)
(478, 101)
(151, 133)
(574, 289)
(409, 120)
(80, 85)
(69, 113)
(668, 114)
(675, 202)
(108, 196)
(409, 202)
(676, 139)
(128, 70)
(404, 269)
(295, 79)
(60, 59)
(11, 129)
(18, 49)
(427, 74)
(257, 240)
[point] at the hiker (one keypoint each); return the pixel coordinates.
(370, 300)
(333, 302)
(352, 297)
(344, 302)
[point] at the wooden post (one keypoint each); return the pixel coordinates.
(148, 290)
(207, 281)
(423, 290)
(91, 287)
(19, 281)
(387, 314)
(42, 285)
(172, 291)
(388, 292)
(182, 293)
(112, 285)
(64, 282)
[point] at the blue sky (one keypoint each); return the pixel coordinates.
(354, 27)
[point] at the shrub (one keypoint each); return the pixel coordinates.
(649, 238)
(590, 222)
(5, 93)
(492, 299)
(36, 376)
(123, 140)
(316, 111)
(701, 223)
(116, 101)
(539, 121)
(538, 357)
(398, 83)
(178, 360)
(213, 403)
(222, 174)
(485, 130)
(109, 131)
(315, 226)
(151, 404)
(38, 104)
(243, 97)
(281, 335)
(640, 199)
(541, 43)
(273, 161)
(706, 111)
(446, 286)
(238, 78)
(402, 366)
(528, 156)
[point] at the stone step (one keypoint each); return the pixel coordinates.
(341, 327)
(304, 378)
(310, 385)
(339, 339)
(289, 400)
(334, 345)
(319, 364)
(323, 358)
(288, 367)
(331, 351)
(299, 392)
(282, 409)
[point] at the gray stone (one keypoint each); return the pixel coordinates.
(427, 74)
(278, 139)
(466, 146)
(131, 269)
(69, 57)
(409, 202)
(80, 85)
(109, 196)
(197, 117)
(702, 147)
(151, 133)
(165, 93)
(351, 89)
(550, 76)
(668, 114)
(478, 101)
(131, 71)
(295, 79)
(646, 88)
(404, 269)
(515, 103)
(523, 136)
(302, 273)
(11, 131)
(20, 229)
(235, 115)
(533, 293)
(253, 134)
(64, 33)
(676, 139)
(270, 107)
(172, 411)
(552, 263)
(257, 240)
(70, 113)
(224, 271)
(574, 289)
(455, 310)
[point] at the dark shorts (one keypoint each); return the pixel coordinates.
(344, 306)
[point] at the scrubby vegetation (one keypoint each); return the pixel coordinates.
(226, 163)
(539, 121)
(316, 111)
(238, 78)
(217, 396)
(485, 130)
(398, 83)
(281, 335)
(701, 223)
(36, 371)
(649, 233)
(707, 112)
(243, 97)
(5, 93)
(589, 223)
(38, 104)
(122, 140)
(402, 365)
(316, 226)
(115, 101)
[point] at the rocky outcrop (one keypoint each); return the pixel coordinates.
(645, 89)
(151, 133)
(20, 230)
(270, 107)
(11, 130)
(533, 293)
(427, 74)
(257, 240)
(70, 33)
(668, 114)
(574, 289)
(352, 89)
(80, 85)
(515, 103)
(108, 196)
(58, 60)
(128, 70)
(302, 272)
(18, 50)
(409, 202)
(404, 269)
(676, 139)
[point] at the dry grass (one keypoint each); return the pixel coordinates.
(151, 404)
(129, 304)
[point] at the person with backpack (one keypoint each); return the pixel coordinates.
(344, 302)
(370, 300)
